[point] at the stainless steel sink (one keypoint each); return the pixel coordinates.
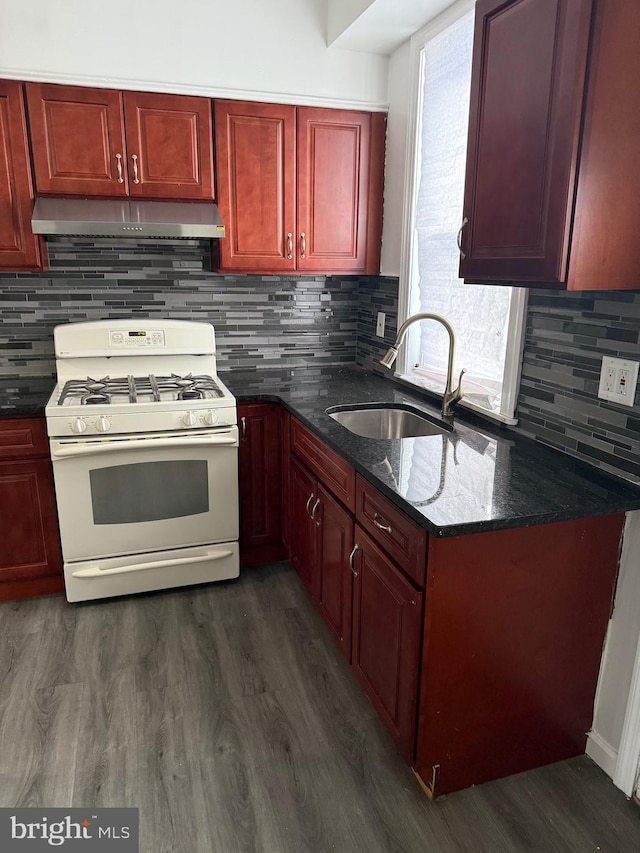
(377, 421)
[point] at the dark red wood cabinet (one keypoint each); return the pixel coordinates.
(302, 545)
(480, 652)
(255, 152)
(19, 248)
(514, 627)
(260, 473)
(387, 621)
(299, 189)
(101, 142)
(550, 195)
(321, 542)
(30, 556)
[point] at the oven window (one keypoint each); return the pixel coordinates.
(149, 491)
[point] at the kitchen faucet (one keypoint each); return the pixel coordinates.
(451, 398)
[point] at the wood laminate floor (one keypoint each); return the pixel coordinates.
(227, 715)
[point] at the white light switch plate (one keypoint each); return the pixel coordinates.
(380, 324)
(618, 380)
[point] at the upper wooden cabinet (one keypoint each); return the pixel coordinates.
(101, 142)
(299, 189)
(550, 196)
(19, 249)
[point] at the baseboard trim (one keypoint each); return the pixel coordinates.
(604, 755)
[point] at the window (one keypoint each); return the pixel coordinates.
(487, 320)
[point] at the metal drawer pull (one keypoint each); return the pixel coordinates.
(313, 513)
(119, 167)
(351, 556)
(308, 502)
(303, 244)
(459, 238)
(134, 157)
(378, 521)
(243, 432)
(289, 246)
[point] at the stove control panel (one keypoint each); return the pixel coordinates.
(127, 339)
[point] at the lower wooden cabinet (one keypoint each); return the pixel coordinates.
(479, 652)
(260, 473)
(302, 547)
(30, 557)
(334, 573)
(387, 621)
(321, 542)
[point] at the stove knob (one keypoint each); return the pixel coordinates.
(189, 419)
(79, 425)
(210, 418)
(103, 424)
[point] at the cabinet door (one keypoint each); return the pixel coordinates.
(339, 190)
(387, 613)
(169, 146)
(77, 138)
(19, 249)
(255, 157)
(527, 90)
(302, 496)
(259, 462)
(29, 543)
(335, 543)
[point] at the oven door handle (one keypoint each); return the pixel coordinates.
(97, 572)
(141, 444)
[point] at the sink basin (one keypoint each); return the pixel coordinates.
(378, 421)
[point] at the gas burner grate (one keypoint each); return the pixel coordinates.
(134, 389)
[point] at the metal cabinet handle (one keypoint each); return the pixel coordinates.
(351, 556)
(313, 513)
(134, 157)
(378, 521)
(308, 502)
(243, 431)
(289, 245)
(459, 238)
(303, 244)
(119, 167)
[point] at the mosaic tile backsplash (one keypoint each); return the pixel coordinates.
(280, 321)
(260, 321)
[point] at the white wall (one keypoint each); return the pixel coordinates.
(396, 160)
(619, 656)
(271, 50)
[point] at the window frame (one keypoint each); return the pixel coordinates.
(408, 259)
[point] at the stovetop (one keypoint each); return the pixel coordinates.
(131, 389)
(137, 376)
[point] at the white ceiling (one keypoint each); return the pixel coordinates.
(378, 26)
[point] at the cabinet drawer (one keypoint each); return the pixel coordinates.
(331, 469)
(403, 540)
(20, 437)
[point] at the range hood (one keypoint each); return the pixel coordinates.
(89, 217)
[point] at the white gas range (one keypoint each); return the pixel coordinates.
(144, 444)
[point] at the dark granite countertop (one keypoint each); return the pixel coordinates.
(478, 477)
(26, 396)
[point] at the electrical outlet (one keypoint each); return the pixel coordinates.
(618, 380)
(380, 324)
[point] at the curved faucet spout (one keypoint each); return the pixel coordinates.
(451, 398)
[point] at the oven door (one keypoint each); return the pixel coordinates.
(146, 493)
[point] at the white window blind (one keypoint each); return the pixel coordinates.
(486, 319)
